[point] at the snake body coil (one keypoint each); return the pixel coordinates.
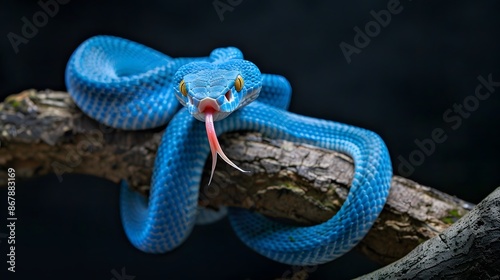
(129, 86)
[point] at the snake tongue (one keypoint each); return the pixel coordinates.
(214, 143)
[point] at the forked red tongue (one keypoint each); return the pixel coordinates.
(214, 143)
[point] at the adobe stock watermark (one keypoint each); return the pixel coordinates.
(372, 29)
(122, 275)
(299, 272)
(39, 19)
(94, 139)
(454, 117)
(222, 6)
(209, 192)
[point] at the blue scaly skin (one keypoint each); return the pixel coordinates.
(129, 86)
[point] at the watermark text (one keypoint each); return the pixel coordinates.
(11, 219)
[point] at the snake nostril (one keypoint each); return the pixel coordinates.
(228, 95)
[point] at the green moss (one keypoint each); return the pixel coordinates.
(447, 220)
(454, 213)
(290, 185)
(453, 216)
(14, 103)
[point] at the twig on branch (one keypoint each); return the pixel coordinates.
(43, 132)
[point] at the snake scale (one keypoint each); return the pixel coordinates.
(127, 85)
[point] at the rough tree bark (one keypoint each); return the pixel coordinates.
(467, 250)
(43, 132)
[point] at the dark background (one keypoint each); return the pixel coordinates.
(423, 62)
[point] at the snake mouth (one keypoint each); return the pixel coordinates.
(208, 104)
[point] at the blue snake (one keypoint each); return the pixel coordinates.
(127, 85)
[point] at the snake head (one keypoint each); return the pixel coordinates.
(213, 90)
(221, 87)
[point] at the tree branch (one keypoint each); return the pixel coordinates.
(469, 249)
(43, 132)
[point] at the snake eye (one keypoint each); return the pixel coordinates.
(238, 83)
(182, 88)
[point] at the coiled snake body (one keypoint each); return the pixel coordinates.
(129, 86)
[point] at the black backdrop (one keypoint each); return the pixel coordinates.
(401, 82)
